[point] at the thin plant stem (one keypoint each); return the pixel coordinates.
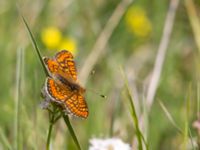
(160, 58)
(57, 118)
(51, 116)
(161, 54)
(17, 101)
(170, 118)
(67, 122)
(49, 136)
(133, 113)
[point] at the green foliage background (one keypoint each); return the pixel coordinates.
(84, 21)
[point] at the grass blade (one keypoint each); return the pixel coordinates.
(133, 113)
(51, 118)
(35, 45)
(186, 130)
(17, 100)
(170, 117)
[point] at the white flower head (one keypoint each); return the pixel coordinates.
(108, 144)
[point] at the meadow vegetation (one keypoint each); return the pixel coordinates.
(143, 55)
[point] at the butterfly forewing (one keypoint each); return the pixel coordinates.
(62, 64)
(52, 65)
(67, 64)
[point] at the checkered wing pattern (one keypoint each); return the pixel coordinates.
(72, 101)
(62, 64)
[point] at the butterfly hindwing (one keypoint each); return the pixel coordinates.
(56, 91)
(73, 101)
(77, 106)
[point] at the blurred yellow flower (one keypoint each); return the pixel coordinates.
(68, 44)
(138, 22)
(51, 37)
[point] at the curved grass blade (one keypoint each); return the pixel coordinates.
(35, 45)
(133, 114)
(170, 118)
(186, 132)
(65, 117)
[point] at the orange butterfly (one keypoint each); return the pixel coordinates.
(62, 87)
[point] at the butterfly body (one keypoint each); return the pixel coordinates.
(62, 86)
(72, 85)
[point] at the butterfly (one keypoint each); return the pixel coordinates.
(62, 86)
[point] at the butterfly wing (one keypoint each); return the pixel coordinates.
(77, 105)
(52, 65)
(73, 101)
(55, 91)
(62, 64)
(66, 62)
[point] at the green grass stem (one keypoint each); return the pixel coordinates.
(17, 100)
(133, 114)
(170, 118)
(67, 122)
(51, 118)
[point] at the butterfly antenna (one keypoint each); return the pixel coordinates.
(101, 95)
